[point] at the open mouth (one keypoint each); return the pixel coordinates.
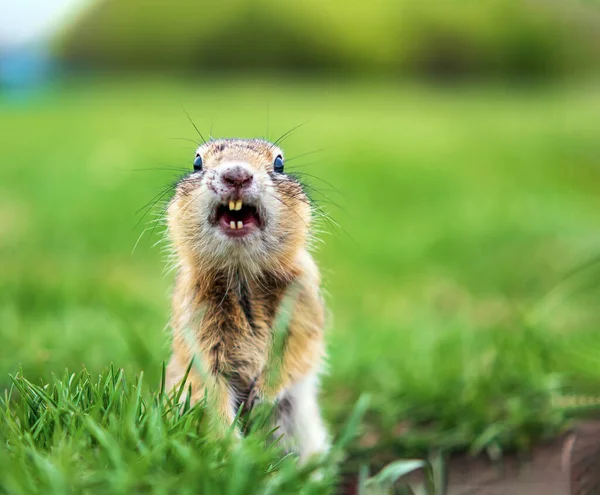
(237, 219)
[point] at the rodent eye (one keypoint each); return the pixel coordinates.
(278, 164)
(198, 163)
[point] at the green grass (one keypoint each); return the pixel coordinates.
(88, 435)
(463, 211)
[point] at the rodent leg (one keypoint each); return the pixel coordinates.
(300, 420)
(221, 403)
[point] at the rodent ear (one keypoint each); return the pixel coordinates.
(278, 164)
(198, 163)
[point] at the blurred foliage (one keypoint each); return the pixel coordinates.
(436, 39)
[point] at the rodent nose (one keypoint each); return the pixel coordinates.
(236, 178)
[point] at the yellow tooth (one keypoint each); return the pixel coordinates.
(231, 205)
(240, 225)
(232, 225)
(238, 205)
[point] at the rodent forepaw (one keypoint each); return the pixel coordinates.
(253, 397)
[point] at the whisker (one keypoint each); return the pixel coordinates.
(297, 174)
(148, 206)
(138, 241)
(187, 205)
(324, 199)
(301, 166)
(212, 123)
(186, 139)
(289, 207)
(168, 169)
(192, 122)
(286, 134)
(322, 213)
(316, 208)
(288, 160)
(153, 229)
(158, 197)
(310, 187)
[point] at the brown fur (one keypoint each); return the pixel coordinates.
(226, 298)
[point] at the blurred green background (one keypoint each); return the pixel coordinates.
(455, 144)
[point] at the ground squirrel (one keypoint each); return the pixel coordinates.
(239, 226)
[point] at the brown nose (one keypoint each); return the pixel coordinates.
(237, 178)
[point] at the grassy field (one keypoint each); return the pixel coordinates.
(462, 280)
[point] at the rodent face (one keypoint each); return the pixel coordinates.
(240, 209)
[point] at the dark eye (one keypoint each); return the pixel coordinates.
(278, 164)
(198, 163)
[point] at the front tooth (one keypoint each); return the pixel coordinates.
(232, 225)
(238, 205)
(231, 204)
(240, 225)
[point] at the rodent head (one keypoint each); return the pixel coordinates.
(238, 209)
